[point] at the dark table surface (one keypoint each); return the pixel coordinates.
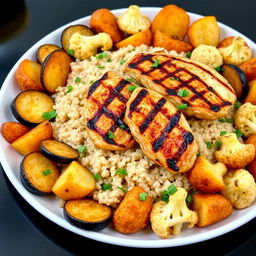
(25, 232)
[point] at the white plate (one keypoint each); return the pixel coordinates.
(48, 206)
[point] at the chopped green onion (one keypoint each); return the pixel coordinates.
(131, 88)
(121, 171)
(97, 176)
(101, 55)
(155, 64)
(143, 196)
(182, 106)
(238, 133)
(69, 88)
(198, 154)
(82, 149)
(70, 52)
(49, 115)
(170, 191)
(217, 144)
(122, 189)
(101, 67)
(108, 60)
(122, 62)
(78, 80)
(189, 198)
(209, 145)
(222, 133)
(188, 54)
(226, 120)
(91, 82)
(174, 78)
(237, 105)
(106, 186)
(46, 172)
(122, 126)
(219, 68)
(183, 93)
(111, 135)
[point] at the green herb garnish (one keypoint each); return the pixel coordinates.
(131, 88)
(156, 63)
(101, 67)
(78, 80)
(174, 78)
(217, 144)
(143, 196)
(91, 82)
(226, 120)
(198, 154)
(49, 115)
(182, 106)
(189, 198)
(208, 145)
(237, 105)
(121, 171)
(97, 176)
(219, 68)
(122, 62)
(222, 133)
(183, 93)
(82, 149)
(122, 126)
(122, 189)
(170, 191)
(101, 55)
(46, 172)
(134, 49)
(106, 186)
(238, 133)
(70, 52)
(69, 88)
(108, 60)
(188, 54)
(111, 135)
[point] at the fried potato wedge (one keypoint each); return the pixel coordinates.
(204, 31)
(28, 76)
(133, 212)
(103, 20)
(172, 20)
(251, 96)
(44, 50)
(30, 141)
(143, 37)
(249, 68)
(161, 39)
(211, 208)
(11, 131)
(55, 70)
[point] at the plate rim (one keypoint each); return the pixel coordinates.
(98, 236)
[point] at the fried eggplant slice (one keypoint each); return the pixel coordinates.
(162, 131)
(104, 111)
(208, 94)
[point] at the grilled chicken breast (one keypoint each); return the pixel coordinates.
(104, 111)
(161, 130)
(207, 95)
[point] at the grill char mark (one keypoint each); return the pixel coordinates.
(141, 95)
(114, 92)
(184, 84)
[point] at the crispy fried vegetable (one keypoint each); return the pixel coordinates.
(172, 20)
(235, 50)
(133, 212)
(204, 31)
(233, 153)
(70, 31)
(11, 131)
(161, 39)
(211, 208)
(143, 37)
(74, 182)
(55, 70)
(44, 50)
(30, 141)
(133, 21)
(240, 188)
(103, 20)
(208, 55)
(168, 218)
(249, 68)
(207, 177)
(28, 76)
(86, 46)
(251, 96)
(245, 119)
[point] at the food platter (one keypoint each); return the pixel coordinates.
(48, 206)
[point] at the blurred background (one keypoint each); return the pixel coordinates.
(23, 231)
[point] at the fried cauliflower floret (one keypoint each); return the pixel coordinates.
(132, 21)
(233, 153)
(167, 218)
(240, 188)
(245, 119)
(237, 52)
(86, 46)
(208, 55)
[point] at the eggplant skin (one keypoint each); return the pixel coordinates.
(90, 226)
(27, 184)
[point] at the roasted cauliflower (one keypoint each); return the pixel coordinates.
(233, 153)
(86, 46)
(245, 119)
(237, 52)
(240, 188)
(132, 21)
(208, 55)
(167, 218)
